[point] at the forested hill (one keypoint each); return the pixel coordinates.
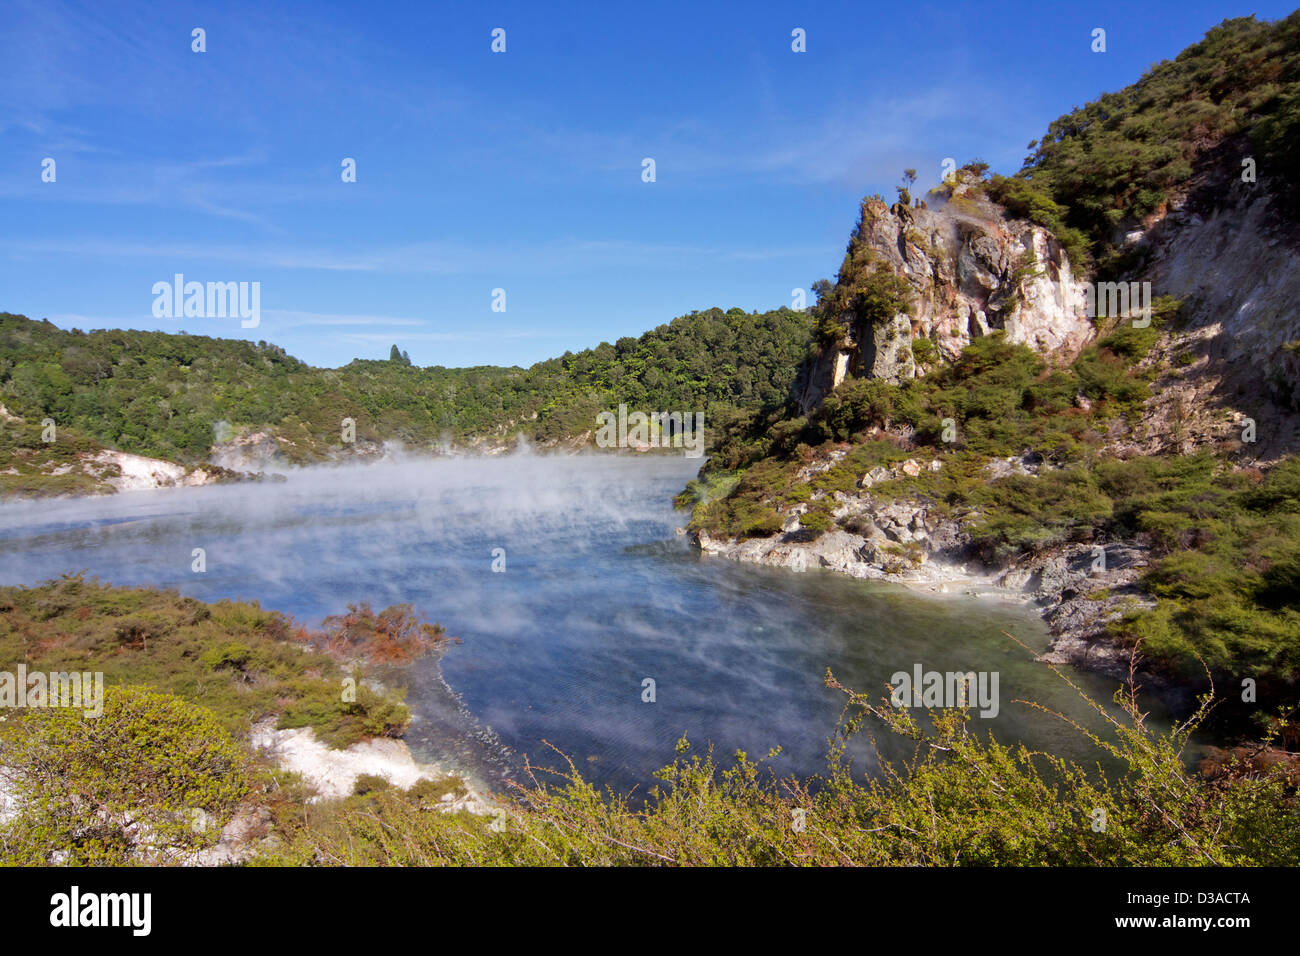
(174, 396)
(1123, 161)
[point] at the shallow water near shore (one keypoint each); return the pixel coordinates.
(595, 594)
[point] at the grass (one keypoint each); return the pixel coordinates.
(242, 663)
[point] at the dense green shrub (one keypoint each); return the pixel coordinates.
(238, 661)
(152, 779)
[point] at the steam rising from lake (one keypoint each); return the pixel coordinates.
(598, 593)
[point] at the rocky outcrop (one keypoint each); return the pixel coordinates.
(1228, 375)
(1227, 252)
(971, 271)
(1078, 588)
(1225, 375)
(127, 472)
(256, 451)
(1224, 372)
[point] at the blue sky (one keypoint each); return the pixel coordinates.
(520, 170)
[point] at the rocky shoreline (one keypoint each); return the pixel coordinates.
(1078, 588)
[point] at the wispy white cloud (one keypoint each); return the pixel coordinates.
(434, 257)
(369, 338)
(288, 317)
(847, 141)
(286, 321)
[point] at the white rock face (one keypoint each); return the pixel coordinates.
(1051, 315)
(139, 473)
(334, 773)
(841, 368)
(972, 271)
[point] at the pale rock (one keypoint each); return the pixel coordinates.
(969, 274)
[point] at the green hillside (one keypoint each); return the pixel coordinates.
(1106, 167)
(171, 396)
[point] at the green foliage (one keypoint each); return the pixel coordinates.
(706, 488)
(37, 468)
(341, 723)
(1029, 200)
(237, 661)
(748, 507)
(962, 799)
(153, 779)
(367, 783)
(1024, 514)
(1000, 398)
(172, 396)
(1229, 604)
(924, 352)
(866, 292)
(817, 519)
(426, 793)
(1111, 164)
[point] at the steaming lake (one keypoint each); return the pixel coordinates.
(598, 593)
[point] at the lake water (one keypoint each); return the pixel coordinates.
(597, 594)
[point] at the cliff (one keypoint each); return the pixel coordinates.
(970, 269)
(1230, 252)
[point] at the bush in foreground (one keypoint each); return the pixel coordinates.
(962, 799)
(152, 779)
